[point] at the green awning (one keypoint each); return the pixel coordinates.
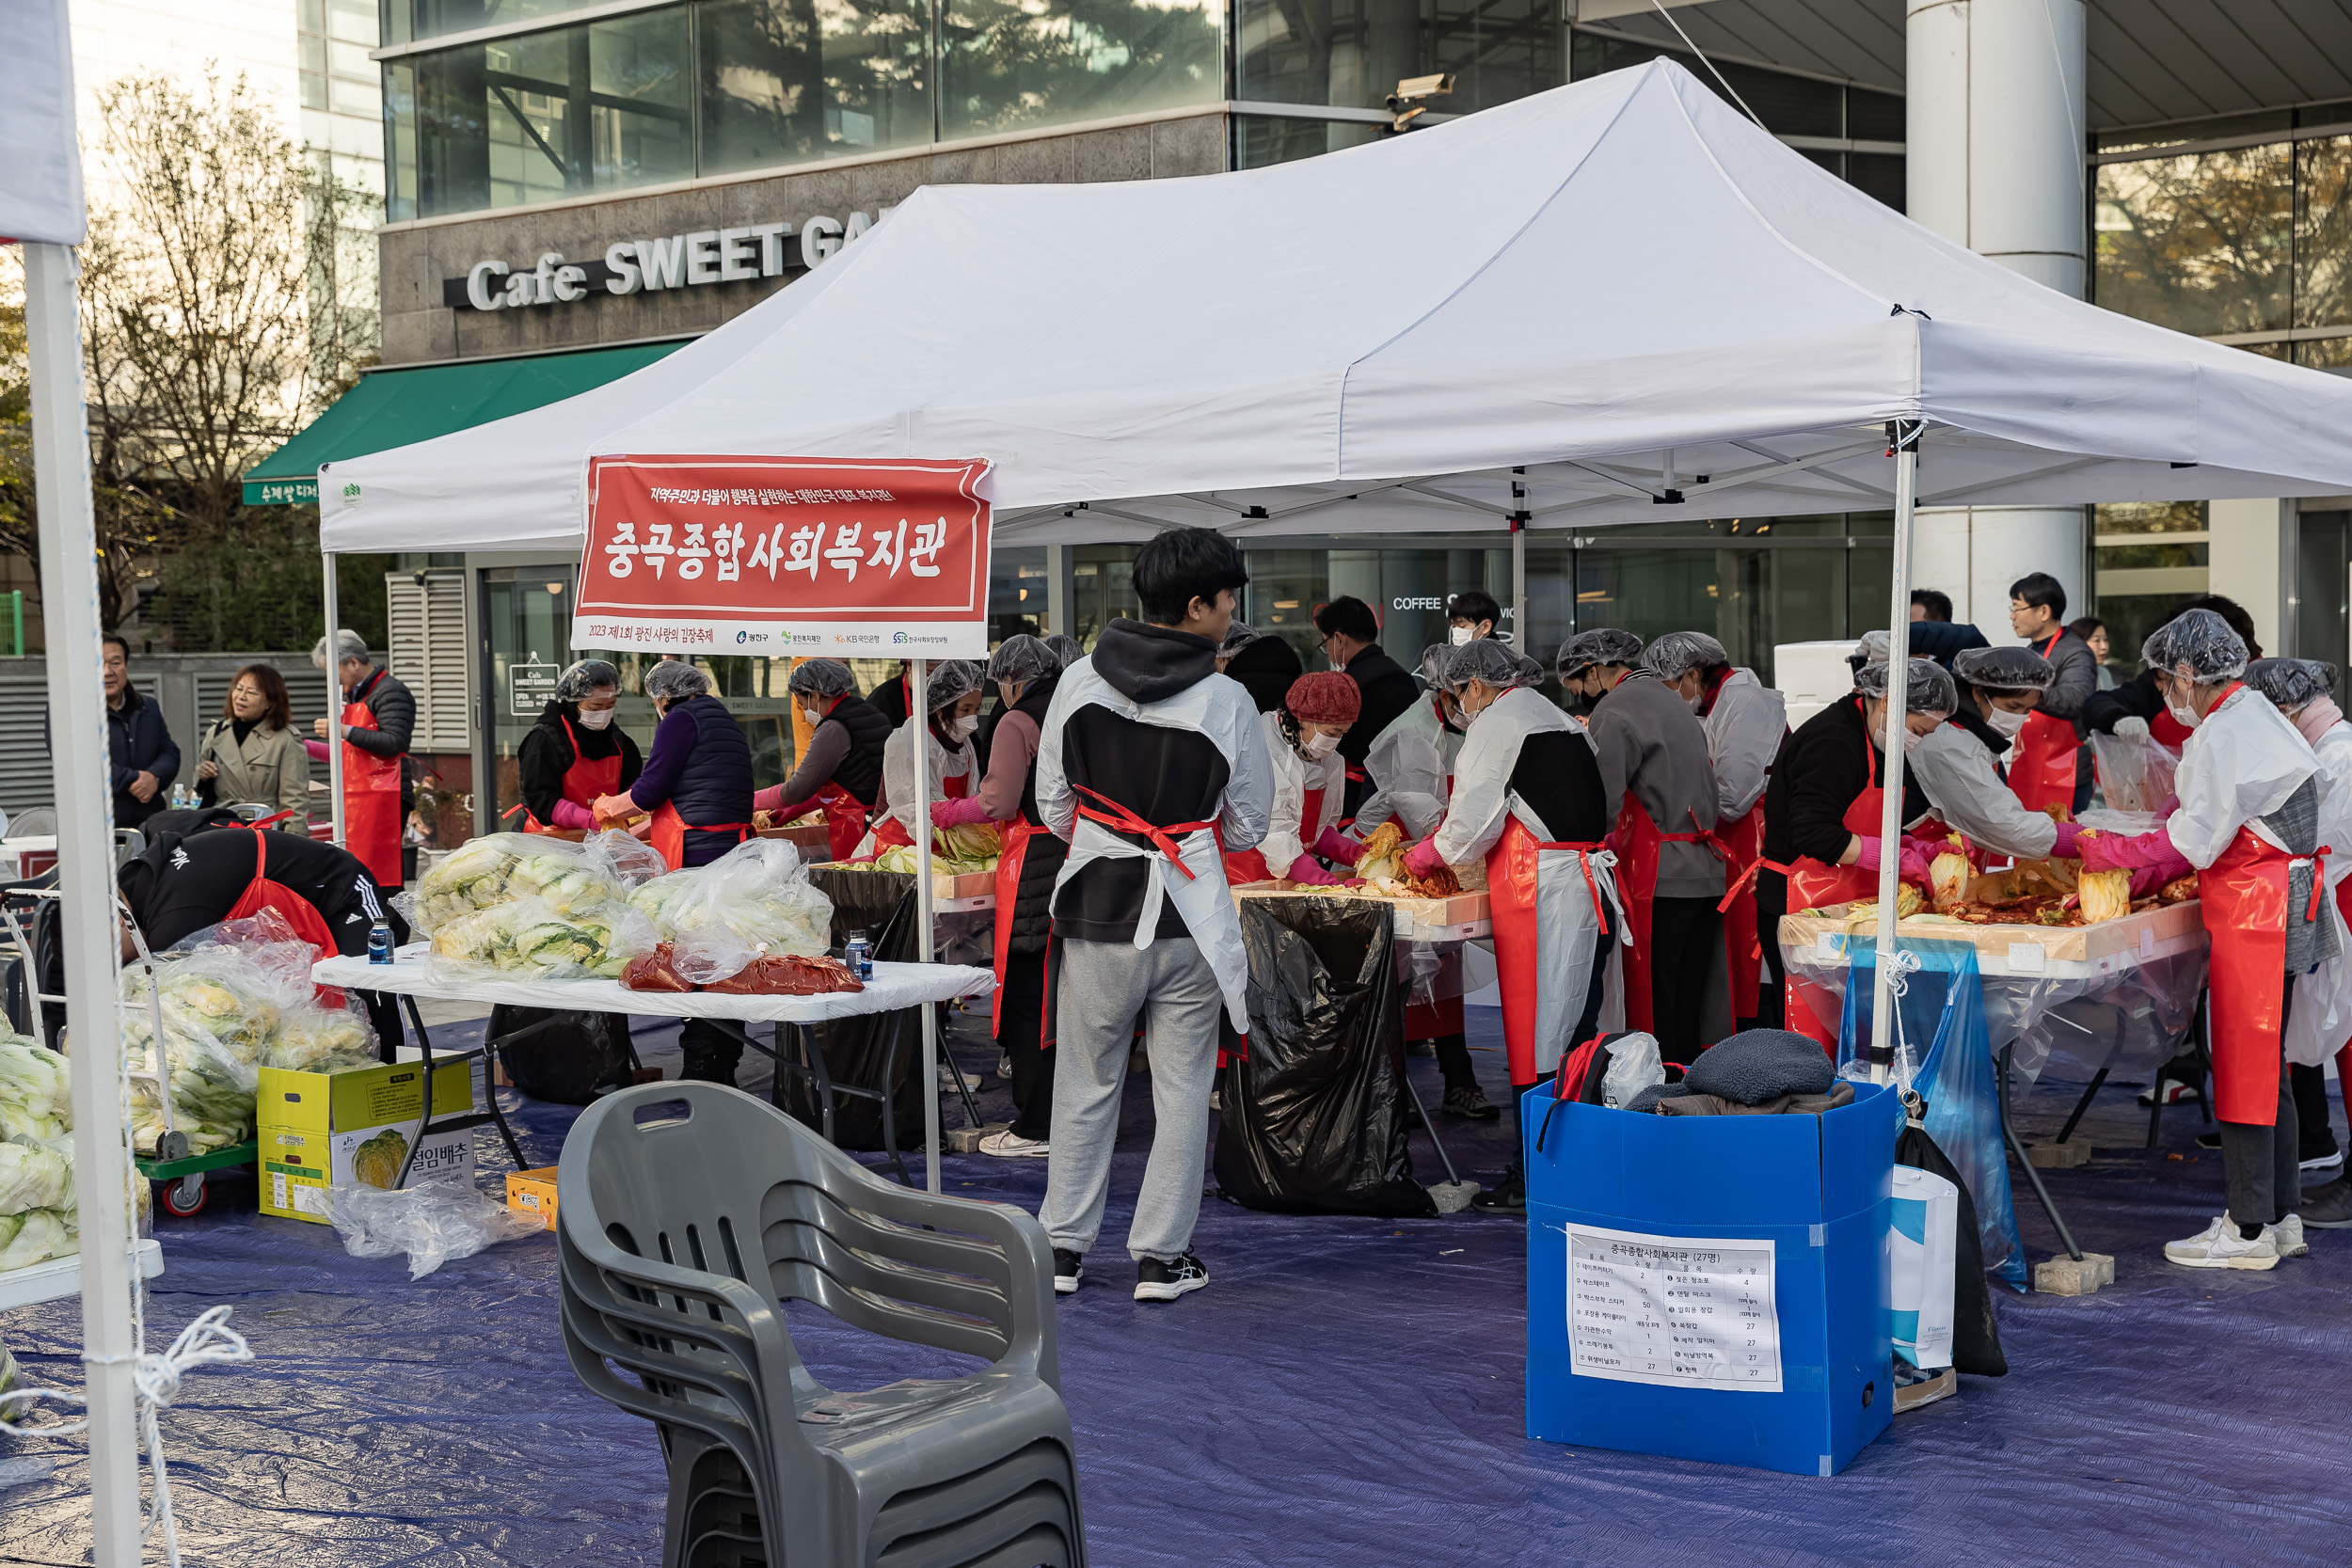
(394, 407)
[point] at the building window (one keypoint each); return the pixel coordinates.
(1351, 53)
(2146, 558)
(2203, 229)
(781, 84)
(1006, 65)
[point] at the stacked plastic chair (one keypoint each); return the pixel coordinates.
(686, 1214)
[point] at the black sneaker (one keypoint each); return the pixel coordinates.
(1469, 1102)
(2209, 1140)
(1509, 1196)
(2328, 1208)
(1158, 1281)
(1069, 1268)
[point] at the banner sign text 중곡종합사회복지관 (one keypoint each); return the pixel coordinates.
(811, 557)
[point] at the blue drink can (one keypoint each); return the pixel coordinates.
(858, 954)
(380, 943)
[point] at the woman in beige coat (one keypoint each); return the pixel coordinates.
(251, 755)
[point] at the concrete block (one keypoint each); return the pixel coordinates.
(966, 1140)
(2063, 1276)
(2065, 1156)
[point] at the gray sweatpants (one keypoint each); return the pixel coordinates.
(1104, 985)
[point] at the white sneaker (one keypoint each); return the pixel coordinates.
(1009, 1144)
(2291, 1242)
(2221, 1247)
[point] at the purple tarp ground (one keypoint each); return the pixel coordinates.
(1346, 1392)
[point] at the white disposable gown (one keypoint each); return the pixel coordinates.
(1408, 764)
(898, 787)
(1744, 730)
(2322, 1017)
(1956, 770)
(1288, 834)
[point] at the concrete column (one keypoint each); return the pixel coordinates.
(2248, 560)
(1995, 155)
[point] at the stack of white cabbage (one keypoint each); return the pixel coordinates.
(536, 907)
(37, 1217)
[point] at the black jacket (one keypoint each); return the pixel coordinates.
(890, 699)
(1941, 640)
(2137, 698)
(1822, 766)
(1388, 689)
(394, 710)
(181, 885)
(1267, 668)
(138, 741)
(860, 772)
(1163, 775)
(546, 755)
(1041, 861)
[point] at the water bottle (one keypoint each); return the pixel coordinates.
(380, 941)
(858, 954)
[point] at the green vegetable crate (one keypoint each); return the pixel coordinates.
(319, 1131)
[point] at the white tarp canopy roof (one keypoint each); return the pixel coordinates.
(1619, 285)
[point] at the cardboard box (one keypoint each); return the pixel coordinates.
(812, 841)
(1671, 1312)
(532, 1193)
(312, 1126)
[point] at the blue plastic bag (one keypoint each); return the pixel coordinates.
(1949, 1055)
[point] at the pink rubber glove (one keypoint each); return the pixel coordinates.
(1336, 846)
(2148, 878)
(569, 814)
(2134, 852)
(1422, 858)
(1868, 857)
(769, 799)
(2066, 848)
(1304, 869)
(317, 750)
(956, 813)
(1917, 857)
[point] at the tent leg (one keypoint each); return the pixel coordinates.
(919, 720)
(1520, 637)
(334, 701)
(1906, 456)
(82, 769)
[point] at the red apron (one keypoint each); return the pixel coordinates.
(1812, 886)
(668, 837)
(845, 820)
(1742, 846)
(2243, 897)
(1511, 867)
(585, 781)
(1250, 865)
(297, 911)
(2165, 730)
(371, 803)
(888, 834)
(1637, 839)
(2041, 760)
(2343, 1057)
(1017, 836)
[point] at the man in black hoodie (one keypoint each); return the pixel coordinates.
(1351, 640)
(1146, 759)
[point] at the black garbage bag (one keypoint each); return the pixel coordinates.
(565, 1058)
(1976, 1337)
(860, 1052)
(1314, 1120)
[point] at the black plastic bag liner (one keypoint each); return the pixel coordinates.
(856, 1049)
(567, 1061)
(1976, 1337)
(1315, 1115)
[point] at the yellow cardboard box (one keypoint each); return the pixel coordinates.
(319, 1131)
(532, 1193)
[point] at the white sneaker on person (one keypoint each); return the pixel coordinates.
(2291, 1242)
(1009, 1144)
(2221, 1247)
(2325, 1161)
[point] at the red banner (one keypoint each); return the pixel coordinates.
(802, 556)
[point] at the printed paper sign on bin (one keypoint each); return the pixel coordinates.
(805, 556)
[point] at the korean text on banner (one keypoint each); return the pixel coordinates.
(804, 556)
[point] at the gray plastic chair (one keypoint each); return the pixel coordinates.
(672, 1200)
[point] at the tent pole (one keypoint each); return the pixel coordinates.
(334, 703)
(919, 719)
(69, 592)
(1891, 815)
(1519, 638)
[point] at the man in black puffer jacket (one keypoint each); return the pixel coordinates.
(1351, 640)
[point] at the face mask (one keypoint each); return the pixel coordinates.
(1321, 746)
(1459, 636)
(1911, 741)
(595, 718)
(2182, 714)
(963, 727)
(814, 716)
(2005, 723)
(1695, 703)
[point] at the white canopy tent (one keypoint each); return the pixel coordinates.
(1612, 303)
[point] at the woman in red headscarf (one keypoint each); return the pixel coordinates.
(1310, 781)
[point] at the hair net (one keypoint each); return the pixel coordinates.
(2292, 683)
(821, 677)
(1604, 645)
(1023, 658)
(582, 679)
(1930, 688)
(1873, 648)
(951, 682)
(1676, 654)
(1066, 648)
(1489, 661)
(347, 642)
(2201, 640)
(673, 680)
(1237, 637)
(1434, 660)
(2003, 669)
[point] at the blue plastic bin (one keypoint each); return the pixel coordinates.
(1672, 1330)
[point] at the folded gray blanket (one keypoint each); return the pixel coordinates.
(1759, 1065)
(1779, 1105)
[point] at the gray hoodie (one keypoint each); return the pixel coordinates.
(1652, 745)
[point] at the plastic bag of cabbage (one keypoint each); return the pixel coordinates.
(531, 939)
(36, 1236)
(501, 868)
(35, 1175)
(754, 901)
(36, 1101)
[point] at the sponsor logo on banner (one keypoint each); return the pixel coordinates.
(690, 553)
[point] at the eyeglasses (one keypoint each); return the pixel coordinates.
(245, 691)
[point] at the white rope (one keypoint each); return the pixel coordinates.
(1901, 963)
(207, 1341)
(1711, 64)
